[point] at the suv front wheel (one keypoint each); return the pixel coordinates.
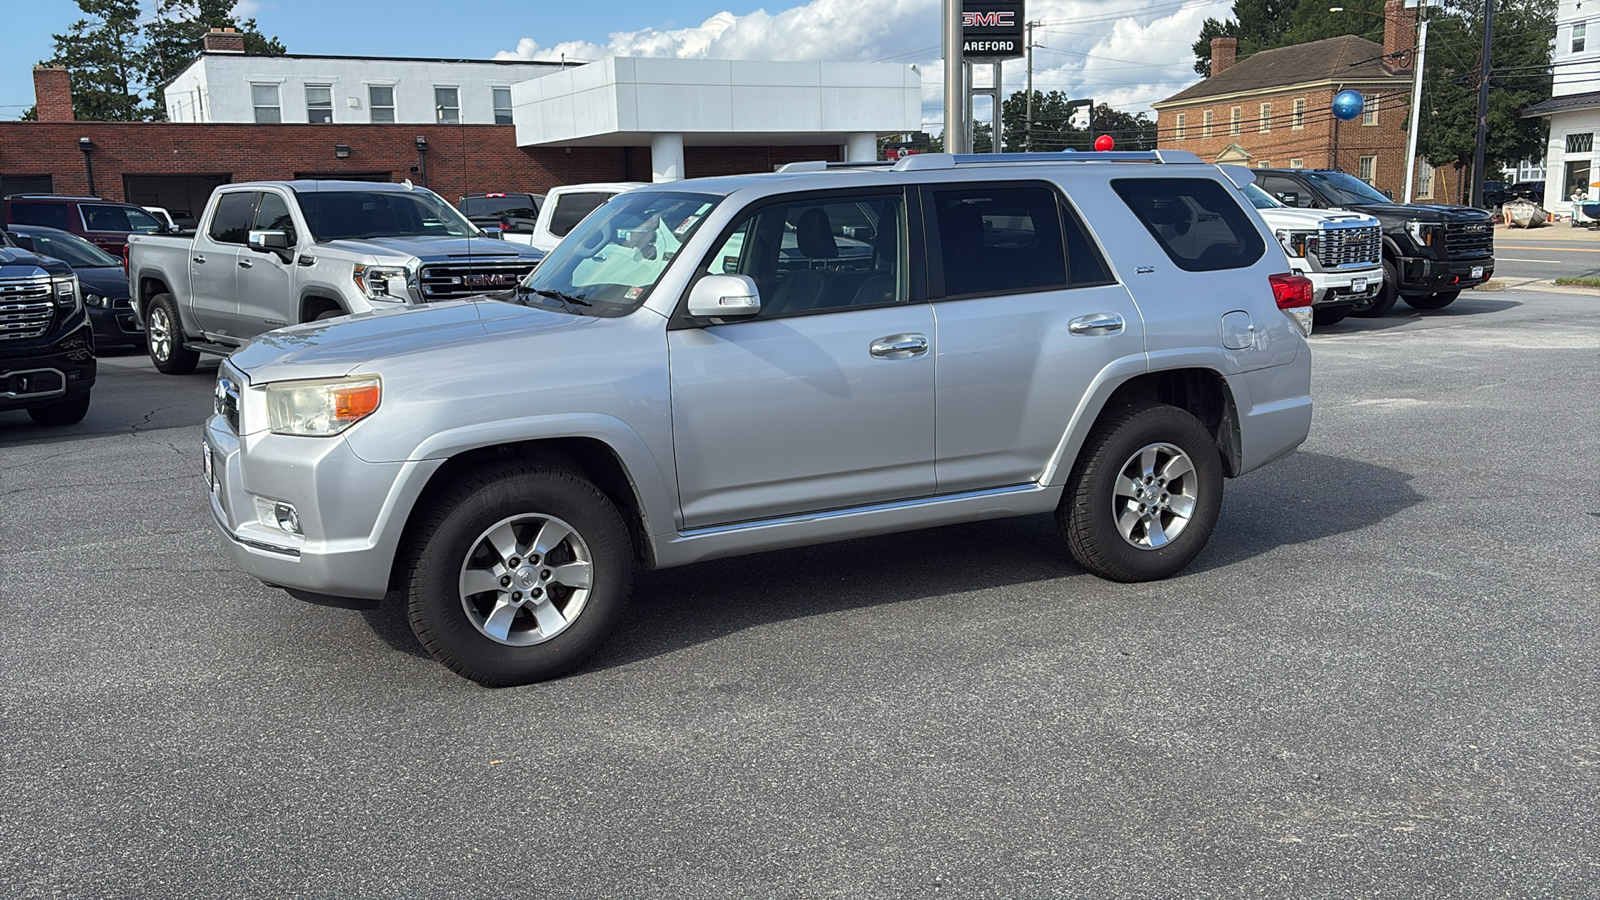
(1144, 495)
(518, 574)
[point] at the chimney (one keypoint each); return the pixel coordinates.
(1223, 50)
(1399, 34)
(229, 40)
(52, 92)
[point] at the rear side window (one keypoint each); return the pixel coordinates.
(1195, 220)
(235, 212)
(571, 208)
(119, 218)
(53, 215)
(999, 240)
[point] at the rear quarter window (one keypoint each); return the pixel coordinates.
(51, 215)
(1197, 221)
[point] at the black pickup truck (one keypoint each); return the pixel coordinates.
(47, 362)
(1430, 252)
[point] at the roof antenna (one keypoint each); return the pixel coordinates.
(406, 184)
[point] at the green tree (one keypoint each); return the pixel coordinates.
(102, 52)
(175, 35)
(1053, 127)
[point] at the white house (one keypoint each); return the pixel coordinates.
(1573, 108)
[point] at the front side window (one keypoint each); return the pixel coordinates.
(231, 223)
(273, 215)
(502, 106)
(613, 259)
(447, 105)
(1369, 112)
(319, 103)
(1009, 240)
(380, 99)
(359, 215)
(265, 99)
(1343, 189)
(820, 254)
(1580, 34)
(119, 218)
(1195, 220)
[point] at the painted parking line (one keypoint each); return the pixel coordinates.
(1512, 259)
(1555, 249)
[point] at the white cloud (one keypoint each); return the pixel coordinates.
(1125, 53)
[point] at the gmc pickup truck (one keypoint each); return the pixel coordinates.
(1430, 252)
(275, 253)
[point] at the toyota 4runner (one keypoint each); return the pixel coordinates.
(724, 366)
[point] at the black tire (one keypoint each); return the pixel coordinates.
(452, 541)
(1088, 516)
(1380, 303)
(1329, 315)
(67, 412)
(1433, 301)
(164, 338)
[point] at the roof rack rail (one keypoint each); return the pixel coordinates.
(923, 161)
(817, 165)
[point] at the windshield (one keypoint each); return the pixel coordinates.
(72, 250)
(612, 260)
(1341, 189)
(1260, 199)
(347, 215)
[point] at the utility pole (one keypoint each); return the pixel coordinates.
(1027, 127)
(1416, 99)
(956, 136)
(1483, 104)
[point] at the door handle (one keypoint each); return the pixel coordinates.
(1096, 323)
(900, 346)
(245, 263)
(199, 259)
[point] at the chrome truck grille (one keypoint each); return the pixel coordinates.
(1338, 247)
(444, 281)
(26, 307)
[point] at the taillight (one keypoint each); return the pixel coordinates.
(1293, 294)
(124, 260)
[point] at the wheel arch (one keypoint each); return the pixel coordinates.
(315, 303)
(149, 285)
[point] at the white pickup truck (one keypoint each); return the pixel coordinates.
(564, 207)
(274, 253)
(1340, 251)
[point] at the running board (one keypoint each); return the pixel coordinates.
(700, 544)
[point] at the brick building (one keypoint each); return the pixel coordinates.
(1274, 109)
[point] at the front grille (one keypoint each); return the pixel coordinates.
(1340, 247)
(26, 307)
(443, 281)
(1469, 239)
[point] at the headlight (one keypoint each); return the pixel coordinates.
(94, 300)
(1426, 234)
(66, 292)
(321, 408)
(381, 282)
(1300, 244)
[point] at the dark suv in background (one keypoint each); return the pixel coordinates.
(1431, 252)
(47, 362)
(104, 223)
(498, 212)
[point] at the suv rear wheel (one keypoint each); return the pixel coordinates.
(518, 574)
(1144, 495)
(164, 338)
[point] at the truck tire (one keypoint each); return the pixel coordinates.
(67, 412)
(1380, 303)
(1433, 301)
(517, 574)
(164, 338)
(1329, 315)
(1144, 494)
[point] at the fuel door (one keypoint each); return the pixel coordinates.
(1238, 331)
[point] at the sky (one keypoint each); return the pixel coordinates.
(1124, 53)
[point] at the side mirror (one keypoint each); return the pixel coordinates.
(267, 241)
(1289, 198)
(724, 297)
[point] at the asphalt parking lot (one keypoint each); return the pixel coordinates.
(1379, 680)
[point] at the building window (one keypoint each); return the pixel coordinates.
(1424, 178)
(1580, 143)
(1576, 186)
(502, 106)
(1369, 112)
(380, 99)
(447, 105)
(1233, 122)
(1368, 168)
(1297, 163)
(265, 99)
(1579, 36)
(1205, 124)
(319, 103)
(1299, 114)
(1177, 132)
(1264, 164)
(1266, 118)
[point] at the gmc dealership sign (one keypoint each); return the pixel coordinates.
(993, 29)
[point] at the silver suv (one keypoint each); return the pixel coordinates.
(724, 366)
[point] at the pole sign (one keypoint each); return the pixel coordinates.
(993, 29)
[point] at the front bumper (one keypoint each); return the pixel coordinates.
(1430, 276)
(117, 325)
(64, 370)
(1343, 288)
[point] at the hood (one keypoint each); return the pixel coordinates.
(337, 347)
(107, 281)
(1422, 212)
(18, 263)
(437, 248)
(1310, 219)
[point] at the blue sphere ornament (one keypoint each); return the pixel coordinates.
(1348, 104)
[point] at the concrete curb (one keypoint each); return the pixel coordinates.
(1536, 284)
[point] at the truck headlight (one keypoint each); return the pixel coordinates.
(323, 407)
(381, 282)
(66, 290)
(1426, 234)
(1299, 244)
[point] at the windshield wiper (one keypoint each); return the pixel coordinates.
(567, 299)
